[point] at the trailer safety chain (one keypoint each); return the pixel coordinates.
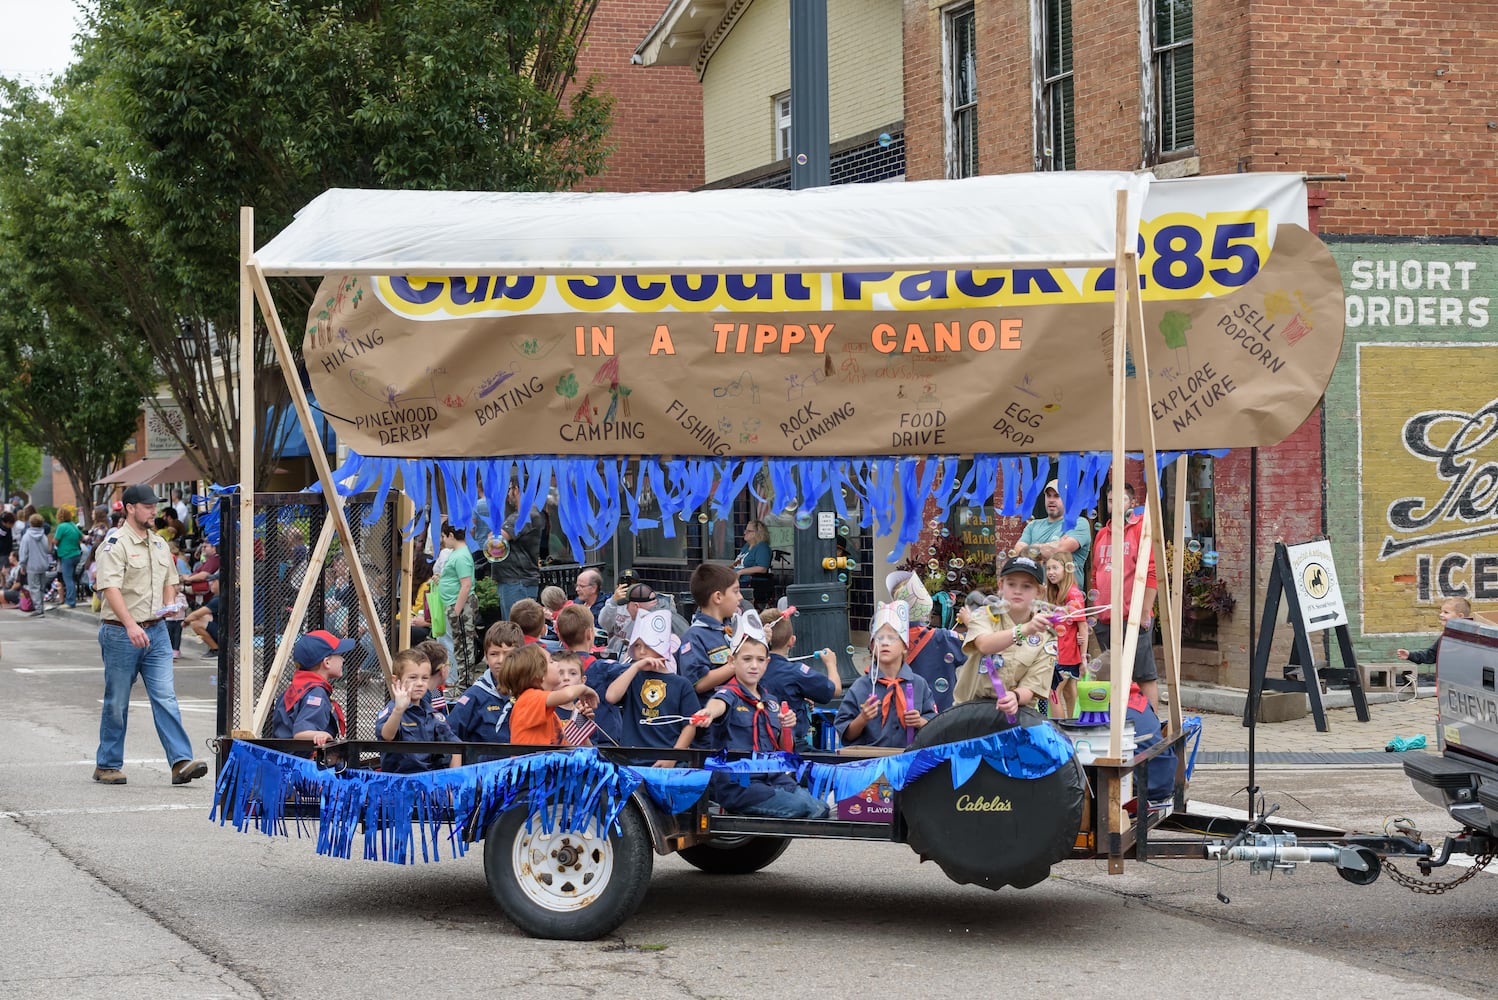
(1436, 888)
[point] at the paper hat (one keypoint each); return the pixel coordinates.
(746, 625)
(895, 614)
(907, 587)
(653, 628)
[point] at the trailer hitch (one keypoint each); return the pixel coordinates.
(1359, 860)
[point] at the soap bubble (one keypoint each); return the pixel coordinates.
(852, 565)
(955, 564)
(804, 519)
(1209, 557)
(931, 551)
(962, 580)
(843, 530)
(946, 532)
(702, 518)
(933, 565)
(950, 658)
(826, 597)
(885, 139)
(800, 159)
(850, 650)
(986, 531)
(1092, 597)
(842, 578)
(1193, 546)
(951, 576)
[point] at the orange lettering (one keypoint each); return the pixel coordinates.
(981, 335)
(1009, 330)
(948, 336)
(764, 336)
(915, 339)
(661, 342)
(884, 338)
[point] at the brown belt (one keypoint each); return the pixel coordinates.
(145, 624)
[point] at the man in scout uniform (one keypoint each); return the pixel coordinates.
(137, 582)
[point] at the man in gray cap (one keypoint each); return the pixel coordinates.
(1046, 534)
(136, 579)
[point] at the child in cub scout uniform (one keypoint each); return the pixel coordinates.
(739, 717)
(574, 627)
(934, 653)
(482, 713)
(1008, 637)
(889, 704)
(408, 716)
(648, 687)
(798, 684)
(704, 655)
(307, 711)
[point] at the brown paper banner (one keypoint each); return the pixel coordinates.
(1244, 369)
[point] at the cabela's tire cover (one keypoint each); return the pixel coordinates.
(994, 830)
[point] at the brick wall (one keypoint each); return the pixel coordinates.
(657, 132)
(1396, 95)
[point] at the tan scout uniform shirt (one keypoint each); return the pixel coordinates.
(142, 568)
(1028, 663)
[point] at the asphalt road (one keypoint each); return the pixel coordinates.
(131, 892)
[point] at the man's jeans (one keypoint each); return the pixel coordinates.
(511, 592)
(122, 662)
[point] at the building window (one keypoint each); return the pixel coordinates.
(1056, 146)
(962, 94)
(782, 105)
(1169, 85)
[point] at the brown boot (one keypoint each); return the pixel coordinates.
(109, 776)
(185, 770)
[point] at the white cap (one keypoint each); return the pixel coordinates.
(746, 625)
(895, 614)
(906, 586)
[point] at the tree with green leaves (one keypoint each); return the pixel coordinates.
(76, 370)
(268, 103)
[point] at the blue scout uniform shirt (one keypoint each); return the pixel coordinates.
(1160, 772)
(481, 714)
(935, 654)
(704, 648)
(740, 728)
(797, 684)
(879, 731)
(650, 696)
(313, 711)
(419, 724)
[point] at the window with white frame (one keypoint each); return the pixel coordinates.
(1056, 146)
(961, 93)
(782, 106)
(1169, 84)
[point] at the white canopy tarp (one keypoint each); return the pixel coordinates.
(1053, 219)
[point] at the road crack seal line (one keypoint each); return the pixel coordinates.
(162, 919)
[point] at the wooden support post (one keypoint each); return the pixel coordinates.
(1153, 537)
(311, 584)
(245, 594)
(1120, 699)
(324, 471)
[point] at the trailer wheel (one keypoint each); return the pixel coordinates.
(994, 830)
(1375, 868)
(567, 885)
(734, 855)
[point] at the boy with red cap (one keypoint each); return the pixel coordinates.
(307, 711)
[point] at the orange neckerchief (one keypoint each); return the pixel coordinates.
(894, 696)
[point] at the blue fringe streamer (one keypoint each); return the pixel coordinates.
(568, 790)
(595, 494)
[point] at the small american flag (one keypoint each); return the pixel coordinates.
(578, 731)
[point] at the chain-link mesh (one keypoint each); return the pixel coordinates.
(287, 526)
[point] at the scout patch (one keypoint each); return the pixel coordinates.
(653, 692)
(718, 656)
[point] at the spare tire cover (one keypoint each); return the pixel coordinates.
(995, 830)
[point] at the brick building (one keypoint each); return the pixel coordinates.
(657, 131)
(1400, 101)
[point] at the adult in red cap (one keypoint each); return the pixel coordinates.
(136, 580)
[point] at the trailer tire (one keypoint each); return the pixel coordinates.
(734, 855)
(1016, 844)
(564, 885)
